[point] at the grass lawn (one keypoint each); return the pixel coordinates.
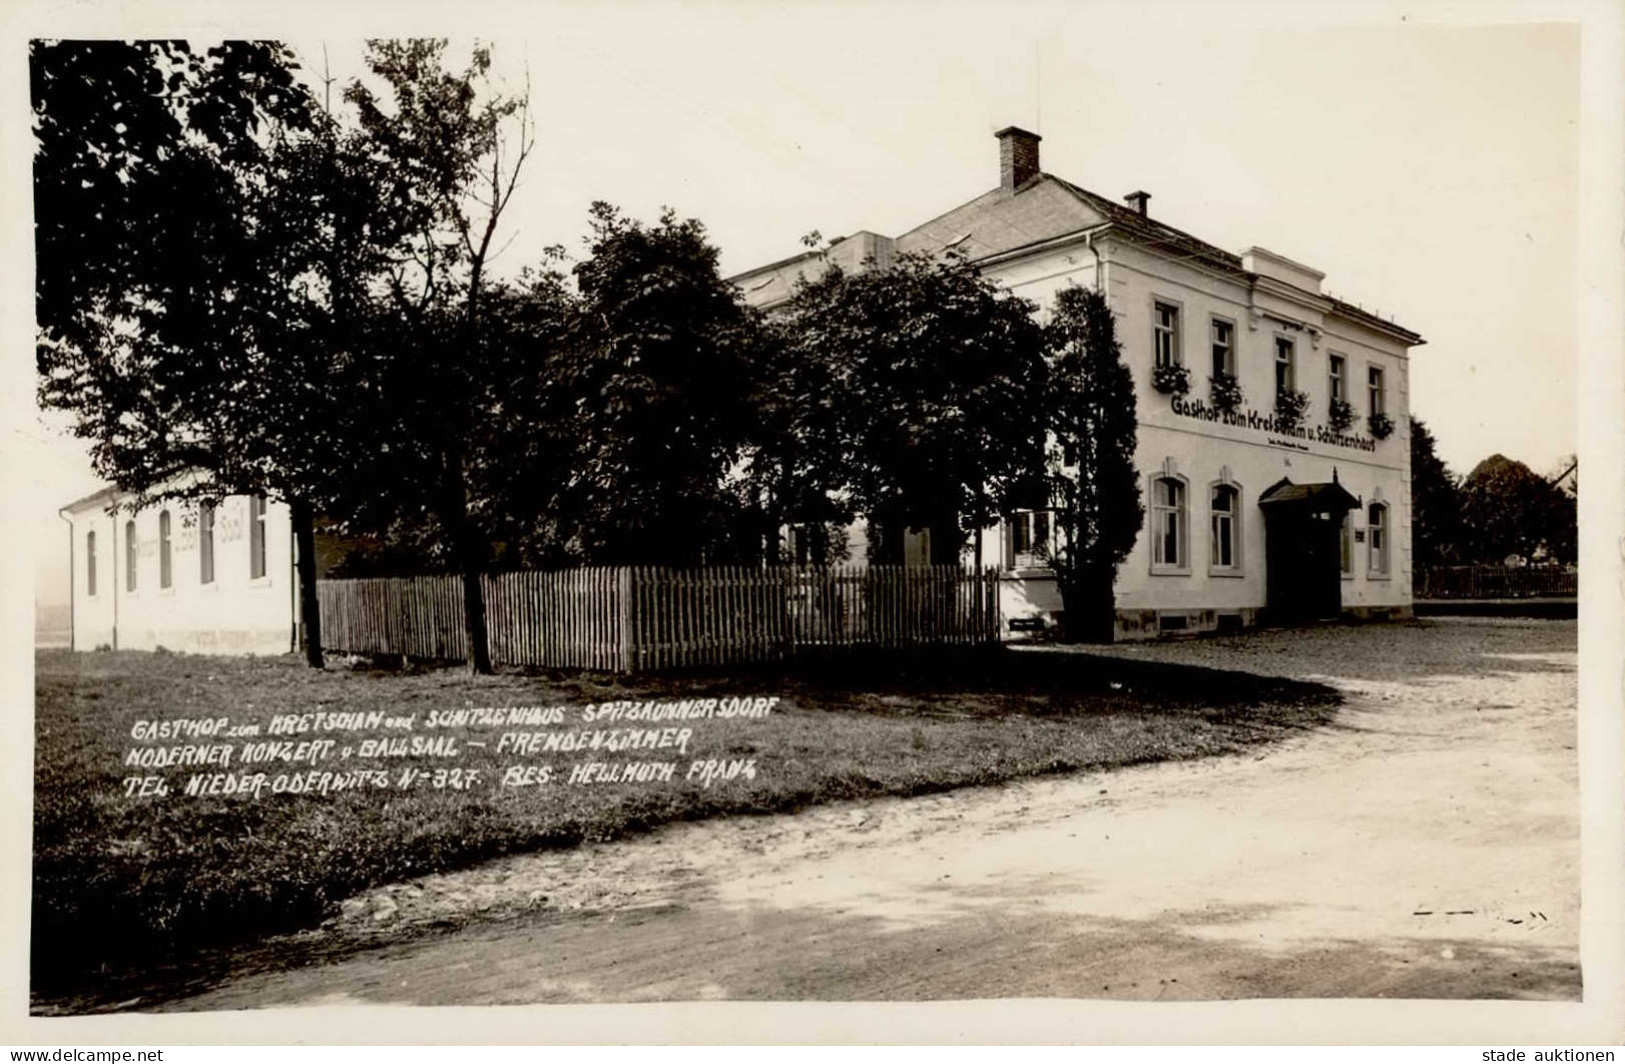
(125, 881)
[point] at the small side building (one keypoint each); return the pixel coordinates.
(183, 575)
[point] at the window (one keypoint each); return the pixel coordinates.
(165, 575)
(1224, 348)
(129, 555)
(1339, 378)
(1345, 545)
(1168, 523)
(1376, 535)
(90, 563)
(1285, 371)
(1225, 510)
(256, 536)
(1374, 379)
(205, 543)
(1165, 334)
(1032, 541)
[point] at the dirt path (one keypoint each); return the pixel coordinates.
(1426, 845)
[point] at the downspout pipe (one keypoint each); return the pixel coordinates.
(62, 514)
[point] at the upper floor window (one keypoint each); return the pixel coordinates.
(1225, 512)
(165, 575)
(1224, 348)
(1374, 386)
(129, 555)
(90, 562)
(1376, 534)
(1286, 371)
(256, 536)
(205, 543)
(1338, 372)
(1031, 542)
(1168, 523)
(1165, 333)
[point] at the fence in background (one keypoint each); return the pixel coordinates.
(1495, 582)
(631, 618)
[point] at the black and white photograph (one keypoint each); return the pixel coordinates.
(657, 504)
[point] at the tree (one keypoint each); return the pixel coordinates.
(1508, 509)
(1091, 411)
(190, 208)
(456, 148)
(1436, 528)
(933, 382)
(660, 379)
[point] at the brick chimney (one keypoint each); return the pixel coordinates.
(1018, 156)
(1138, 200)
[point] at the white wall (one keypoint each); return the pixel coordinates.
(233, 614)
(1202, 452)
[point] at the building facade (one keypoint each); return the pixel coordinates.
(183, 575)
(1249, 515)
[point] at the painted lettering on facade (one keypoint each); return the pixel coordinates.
(1271, 425)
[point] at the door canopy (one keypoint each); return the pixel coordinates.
(1329, 497)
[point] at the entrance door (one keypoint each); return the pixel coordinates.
(1304, 579)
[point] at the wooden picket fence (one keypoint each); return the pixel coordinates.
(1495, 581)
(634, 618)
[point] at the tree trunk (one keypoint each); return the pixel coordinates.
(310, 607)
(466, 548)
(1091, 607)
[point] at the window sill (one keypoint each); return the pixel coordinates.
(166, 592)
(1228, 574)
(1347, 576)
(1170, 570)
(212, 587)
(260, 581)
(1029, 572)
(1379, 576)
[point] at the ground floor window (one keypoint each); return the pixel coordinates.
(1225, 513)
(90, 563)
(1345, 545)
(1168, 523)
(256, 536)
(1030, 543)
(165, 574)
(1377, 538)
(129, 556)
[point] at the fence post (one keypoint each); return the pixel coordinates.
(623, 614)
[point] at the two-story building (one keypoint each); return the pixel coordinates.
(1249, 512)
(182, 575)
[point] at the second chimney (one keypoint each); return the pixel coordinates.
(1138, 200)
(1018, 156)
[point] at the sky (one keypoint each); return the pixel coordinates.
(1431, 171)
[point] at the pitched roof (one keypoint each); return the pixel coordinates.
(109, 492)
(1046, 207)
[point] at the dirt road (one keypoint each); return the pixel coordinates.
(1425, 845)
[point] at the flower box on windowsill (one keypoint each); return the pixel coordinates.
(1226, 393)
(1341, 415)
(1382, 426)
(1289, 408)
(1171, 379)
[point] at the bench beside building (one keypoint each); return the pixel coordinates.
(1245, 519)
